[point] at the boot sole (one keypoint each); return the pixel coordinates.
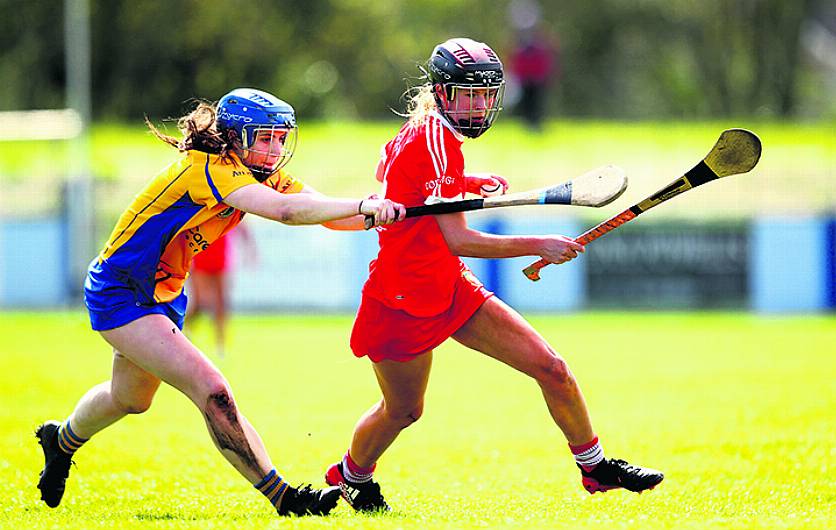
(593, 486)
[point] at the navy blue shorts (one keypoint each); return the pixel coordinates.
(112, 302)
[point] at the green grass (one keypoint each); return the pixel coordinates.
(736, 409)
(795, 174)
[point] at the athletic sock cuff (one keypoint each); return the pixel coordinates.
(588, 455)
(267, 478)
(272, 486)
(68, 441)
(577, 449)
(355, 469)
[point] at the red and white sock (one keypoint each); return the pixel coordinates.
(588, 455)
(355, 473)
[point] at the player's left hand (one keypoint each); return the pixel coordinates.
(485, 184)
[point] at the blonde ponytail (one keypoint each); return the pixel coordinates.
(421, 102)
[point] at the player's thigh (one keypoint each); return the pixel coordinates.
(154, 343)
(131, 386)
(498, 331)
(404, 384)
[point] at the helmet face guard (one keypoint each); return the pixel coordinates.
(470, 109)
(265, 150)
(264, 125)
(469, 84)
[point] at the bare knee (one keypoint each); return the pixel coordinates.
(133, 404)
(553, 372)
(404, 416)
(220, 407)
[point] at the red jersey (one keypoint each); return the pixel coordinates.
(415, 270)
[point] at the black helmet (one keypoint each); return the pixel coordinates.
(473, 68)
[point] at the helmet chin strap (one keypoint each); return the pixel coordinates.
(260, 173)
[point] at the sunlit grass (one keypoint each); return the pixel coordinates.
(736, 409)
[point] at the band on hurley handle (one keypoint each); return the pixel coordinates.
(532, 272)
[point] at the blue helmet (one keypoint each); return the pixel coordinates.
(248, 112)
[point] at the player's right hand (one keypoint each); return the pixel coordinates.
(384, 211)
(485, 184)
(560, 249)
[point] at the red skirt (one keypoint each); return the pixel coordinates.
(385, 333)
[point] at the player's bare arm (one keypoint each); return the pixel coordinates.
(356, 222)
(464, 241)
(310, 208)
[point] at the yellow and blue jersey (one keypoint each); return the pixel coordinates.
(178, 214)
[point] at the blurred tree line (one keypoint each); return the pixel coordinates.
(354, 58)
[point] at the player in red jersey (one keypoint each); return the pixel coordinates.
(419, 293)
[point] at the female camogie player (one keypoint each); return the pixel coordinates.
(134, 288)
(419, 292)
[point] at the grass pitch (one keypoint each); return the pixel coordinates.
(737, 410)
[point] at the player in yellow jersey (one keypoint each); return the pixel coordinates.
(233, 154)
